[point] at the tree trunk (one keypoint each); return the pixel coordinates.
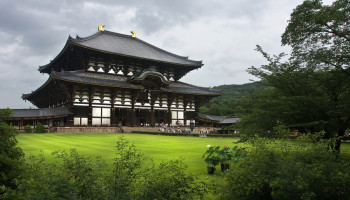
(338, 140)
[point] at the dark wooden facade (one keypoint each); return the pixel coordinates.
(109, 79)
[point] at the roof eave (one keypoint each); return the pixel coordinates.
(27, 96)
(44, 68)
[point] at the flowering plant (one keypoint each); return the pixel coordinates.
(225, 154)
(211, 157)
(214, 155)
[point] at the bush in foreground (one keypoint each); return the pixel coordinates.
(67, 176)
(74, 176)
(169, 181)
(299, 170)
(11, 156)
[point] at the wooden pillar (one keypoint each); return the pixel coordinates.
(72, 89)
(21, 126)
(130, 116)
(169, 118)
(134, 97)
(113, 96)
(113, 121)
(153, 117)
(154, 97)
(171, 99)
(186, 101)
(197, 105)
(91, 97)
(133, 117)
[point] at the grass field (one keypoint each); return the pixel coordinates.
(159, 148)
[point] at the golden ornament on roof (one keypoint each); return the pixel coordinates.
(133, 34)
(100, 27)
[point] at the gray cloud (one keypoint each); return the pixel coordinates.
(221, 33)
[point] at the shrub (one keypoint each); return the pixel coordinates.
(40, 128)
(169, 181)
(11, 156)
(28, 129)
(214, 155)
(73, 176)
(70, 176)
(126, 169)
(212, 158)
(288, 170)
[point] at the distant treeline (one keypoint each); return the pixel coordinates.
(235, 101)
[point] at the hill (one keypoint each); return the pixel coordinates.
(235, 101)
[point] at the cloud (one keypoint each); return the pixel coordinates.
(221, 33)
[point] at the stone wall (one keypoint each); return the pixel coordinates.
(126, 129)
(86, 130)
(101, 129)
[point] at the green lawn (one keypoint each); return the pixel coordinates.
(159, 148)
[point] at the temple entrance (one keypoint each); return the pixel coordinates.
(120, 116)
(141, 117)
(161, 116)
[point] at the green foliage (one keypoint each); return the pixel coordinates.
(169, 181)
(70, 176)
(310, 89)
(28, 129)
(235, 101)
(40, 128)
(320, 33)
(289, 170)
(73, 176)
(214, 155)
(127, 166)
(11, 156)
(211, 156)
(280, 130)
(5, 114)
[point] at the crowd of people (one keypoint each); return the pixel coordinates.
(179, 128)
(170, 128)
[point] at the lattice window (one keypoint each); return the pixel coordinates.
(101, 116)
(177, 117)
(80, 121)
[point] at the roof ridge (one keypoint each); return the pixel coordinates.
(168, 52)
(78, 39)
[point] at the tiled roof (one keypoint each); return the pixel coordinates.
(40, 113)
(93, 78)
(113, 80)
(220, 119)
(126, 45)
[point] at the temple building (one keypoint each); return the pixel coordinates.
(111, 79)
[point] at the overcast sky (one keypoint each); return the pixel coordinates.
(222, 33)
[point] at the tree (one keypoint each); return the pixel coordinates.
(11, 157)
(235, 101)
(320, 33)
(311, 88)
